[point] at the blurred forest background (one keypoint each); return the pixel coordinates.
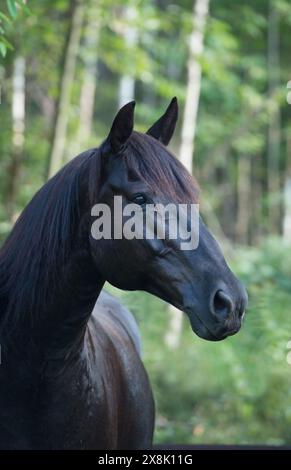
(65, 68)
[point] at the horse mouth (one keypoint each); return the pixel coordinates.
(202, 330)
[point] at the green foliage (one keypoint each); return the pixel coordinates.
(4, 44)
(13, 8)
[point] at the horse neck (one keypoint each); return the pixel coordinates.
(55, 339)
(53, 284)
(61, 332)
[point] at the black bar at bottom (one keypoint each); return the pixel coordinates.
(171, 455)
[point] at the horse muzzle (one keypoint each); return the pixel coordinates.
(224, 317)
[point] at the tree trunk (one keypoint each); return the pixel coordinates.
(67, 80)
(255, 201)
(18, 121)
(88, 89)
(130, 34)
(287, 194)
(194, 83)
(273, 151)
(287, 210)
(200, 13)
(244, 203)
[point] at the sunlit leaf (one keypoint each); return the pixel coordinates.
(11, 5)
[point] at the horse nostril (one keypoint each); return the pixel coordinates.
(222, 305)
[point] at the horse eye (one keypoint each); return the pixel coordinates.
(139, 199)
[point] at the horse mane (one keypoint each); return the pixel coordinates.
(43, 236)
(42, 239)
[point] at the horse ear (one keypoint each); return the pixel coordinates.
(122, 127)
(164, 128)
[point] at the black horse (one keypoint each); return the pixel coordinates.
(70, 379)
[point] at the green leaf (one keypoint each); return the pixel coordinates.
(23, 6)
(11, 5)
(6, 43)
(4, 18)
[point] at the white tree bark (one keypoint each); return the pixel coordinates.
(244, 199)
(18, 102)
(60, 131)
(196, 43)
(287, 195)
(193, 83)
(274, 138)
(18, 123)
(287, 211)
(127, 82)
(88, 89)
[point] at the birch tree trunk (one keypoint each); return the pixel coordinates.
(244, 202)
(88, 89)
(287, 194)
(127, 82)
(18, 122)
(273, 152)
(255, 201)
(196, 43)
(67, 80)
(194, 83)
(287, 210)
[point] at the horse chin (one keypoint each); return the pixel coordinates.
(204, 332)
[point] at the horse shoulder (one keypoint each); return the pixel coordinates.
(108, 309)
(115, 337)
